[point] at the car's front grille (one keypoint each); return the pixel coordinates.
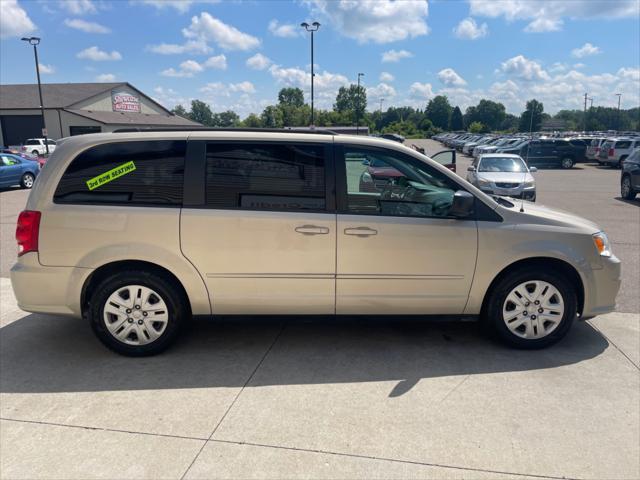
(506, 185)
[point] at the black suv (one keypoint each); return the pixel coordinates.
(547, 152)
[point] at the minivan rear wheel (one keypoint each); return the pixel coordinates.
(136, 313)
(530, 308)
(626, 189)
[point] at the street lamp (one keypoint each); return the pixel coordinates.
(619, 95)
(35, 41)
(358, 106)
(311, 28)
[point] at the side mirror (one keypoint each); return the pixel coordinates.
(366, 162)
(471, 169)
(533, 169)
(462, 205)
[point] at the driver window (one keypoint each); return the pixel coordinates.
(6, 161)
(387, 183)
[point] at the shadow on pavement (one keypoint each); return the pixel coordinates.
(635, 202)
(41, 353)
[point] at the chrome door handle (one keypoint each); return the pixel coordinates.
(312, 230)
(360, 231)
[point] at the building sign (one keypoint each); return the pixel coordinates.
(124, 102)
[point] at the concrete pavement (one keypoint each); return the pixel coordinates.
(265, 398)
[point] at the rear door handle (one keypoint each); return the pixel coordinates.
(360, 231)
(312, 230)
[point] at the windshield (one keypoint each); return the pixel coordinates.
(502, 164)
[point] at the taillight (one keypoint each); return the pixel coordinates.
(27, 231)
(611, 152)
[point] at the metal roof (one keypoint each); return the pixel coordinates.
(54, 95)
(131, 118)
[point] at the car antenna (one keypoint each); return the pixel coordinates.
(526, 167)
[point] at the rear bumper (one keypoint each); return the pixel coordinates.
(42, 289)
(602, 287)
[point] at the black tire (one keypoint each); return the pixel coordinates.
(493, 312)
(177, 305)
(35, 152)
(27, 180)
(626, 188)
(566, 163)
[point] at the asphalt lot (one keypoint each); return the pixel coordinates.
(331, 398)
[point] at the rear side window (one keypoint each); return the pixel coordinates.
(623, 144)
(32, 142)
(265, 176)
(126, 173)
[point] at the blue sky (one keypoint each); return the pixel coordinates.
(238, 54)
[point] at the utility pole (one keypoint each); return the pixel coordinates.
(35, 41)
(584, 126)
(311, 28)
(381, 100)
(619, 95)
(358, 106)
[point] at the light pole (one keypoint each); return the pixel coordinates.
(311, 28)
(358, 106)
(35, 41)
(381, 100)
(619, 95)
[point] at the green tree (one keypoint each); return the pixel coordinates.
(180, 111)
(201, 113)
(456, 122)
(291, 96)
(252, 121)
(476, 127)
(490, 114)
(438, 111)
(271, 117)
(225, 119)
(352, 99)
(531, 118)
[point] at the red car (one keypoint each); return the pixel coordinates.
(379, 174)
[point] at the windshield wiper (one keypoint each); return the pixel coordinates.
(503, 201)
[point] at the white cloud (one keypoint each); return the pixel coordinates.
(244, 87)
(380, 91)
(326, 84)
(558, 67)
(450, 78)
(78, 7)
(468, 29)
(523, 68)
(548, 16)
(191, 46)
(14, 21)
(215, 88)
(84, 26)
(395, 55)
(386, 77)
(258, 62)
(420, 91)
(106, 78)
(97, 55)
(219, 62)
(208, 28)
(47, 69)
(585, 51)
(579, 65)
(378, 21)
(285, 30)
(169, 98)
(181, 6)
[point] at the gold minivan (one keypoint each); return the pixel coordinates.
(137, 231)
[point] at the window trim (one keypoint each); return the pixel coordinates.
(196, 173)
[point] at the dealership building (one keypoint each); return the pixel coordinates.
(78, 108)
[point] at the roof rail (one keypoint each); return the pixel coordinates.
(319, 131)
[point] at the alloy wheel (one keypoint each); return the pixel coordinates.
(533, 309)
(28, 181)
(135, 315)
(625, 187)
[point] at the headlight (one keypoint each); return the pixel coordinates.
(483, 183)
(601, 242)
(530, 184)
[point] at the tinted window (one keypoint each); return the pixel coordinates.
(127, 173)
(383, 182)
(32, 142)
(624, 144)
(265, 176)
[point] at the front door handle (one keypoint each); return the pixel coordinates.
(312, 230)
(360, 231)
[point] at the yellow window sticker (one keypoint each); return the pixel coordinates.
(112, 174)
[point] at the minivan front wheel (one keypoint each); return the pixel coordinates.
(566, 163)
(531, 308)
(136, 313)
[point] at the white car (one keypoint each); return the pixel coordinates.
(503, 174)
(36, 146)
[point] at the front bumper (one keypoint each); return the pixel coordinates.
(601, 288)
(41, 289)
(526, 194)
